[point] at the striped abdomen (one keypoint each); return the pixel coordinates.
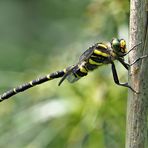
(30, 84)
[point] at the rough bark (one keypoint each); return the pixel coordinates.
(137, 105)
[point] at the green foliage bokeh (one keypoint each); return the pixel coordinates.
(39, 37)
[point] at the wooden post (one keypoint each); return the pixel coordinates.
(137, 105)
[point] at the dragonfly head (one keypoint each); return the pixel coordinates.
(119, 47)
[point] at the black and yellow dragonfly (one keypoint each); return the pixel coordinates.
(94, 57)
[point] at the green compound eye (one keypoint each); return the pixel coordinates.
(118, 46)
(115, 44)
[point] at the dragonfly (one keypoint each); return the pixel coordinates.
(95, 56)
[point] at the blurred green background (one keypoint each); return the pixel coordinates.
(41, 36)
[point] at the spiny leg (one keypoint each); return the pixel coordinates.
(127, 65)
(140, 58)
(132, 48)
(116, 79)
(30, 84)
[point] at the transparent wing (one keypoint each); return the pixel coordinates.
(72, 78)
(69, 71)
(87, 54)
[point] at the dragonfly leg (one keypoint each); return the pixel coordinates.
(133, 48)
(116, 79)
(127, 65)
(140, 58)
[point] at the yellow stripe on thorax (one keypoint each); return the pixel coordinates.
(100, 53)
(94, 63)
(102, 45)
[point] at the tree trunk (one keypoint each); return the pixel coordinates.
(137, 105)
